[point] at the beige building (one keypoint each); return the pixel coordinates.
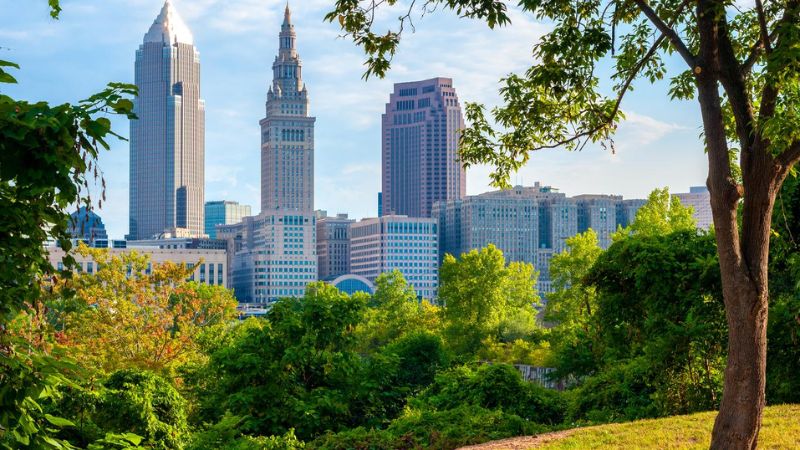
(211, 266)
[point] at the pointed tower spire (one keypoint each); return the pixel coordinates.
(169, 27)
(287, 15)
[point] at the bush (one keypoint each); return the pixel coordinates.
(130, 401)
(498, 386)
(620, 392)
(464, 425)
(227, 434)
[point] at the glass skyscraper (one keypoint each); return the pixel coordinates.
(168, 139)
(223, 212)
(420, 132)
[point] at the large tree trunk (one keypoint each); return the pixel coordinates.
(739, 419)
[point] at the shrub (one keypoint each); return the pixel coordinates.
(442, 430)
(497, 386)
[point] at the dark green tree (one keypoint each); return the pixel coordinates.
(741, 65)
(48, 156)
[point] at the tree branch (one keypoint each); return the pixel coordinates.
(789, 157)
(667, 31)
(762, 24)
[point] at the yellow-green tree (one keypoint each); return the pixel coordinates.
(129, 316)
(486, 300)
(394, 311)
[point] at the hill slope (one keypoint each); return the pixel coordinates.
(781, 429)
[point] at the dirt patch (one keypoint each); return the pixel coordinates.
(521, 442)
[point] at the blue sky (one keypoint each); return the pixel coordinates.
(94, 42)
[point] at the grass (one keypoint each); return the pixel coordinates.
(780, 430)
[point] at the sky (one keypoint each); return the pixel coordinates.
(94, 42)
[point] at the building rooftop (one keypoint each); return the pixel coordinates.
(169, 27)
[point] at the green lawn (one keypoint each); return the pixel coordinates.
(781, 430)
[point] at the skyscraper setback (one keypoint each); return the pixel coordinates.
(274, 253)
(420, 136)
(168, 139)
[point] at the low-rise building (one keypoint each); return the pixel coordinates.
(408, 244)
(210, 266)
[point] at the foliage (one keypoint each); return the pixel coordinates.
(294, 370)
(486, 299)
(494, 387)
(661, 215)
(134, 314)
(783, 363)
(128, 403)
(444, 430)
(740, 62)
(29, 378)
(227, 434)
(519, 351)
(47, 157)
(394, 311)
(659, 298)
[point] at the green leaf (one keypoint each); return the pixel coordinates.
(58, 421)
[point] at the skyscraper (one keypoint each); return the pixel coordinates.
(168, 139)
(275, 252)
(421, 129)
(287, 133)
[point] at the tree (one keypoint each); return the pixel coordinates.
(134, 314)
(394, 311)
(572, 305)
(48, 155)
(484, 298)
(661, 215)
(742, 67)
(296, 369)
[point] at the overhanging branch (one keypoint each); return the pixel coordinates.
(667, 31)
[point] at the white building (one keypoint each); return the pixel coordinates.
(211, 266)
(699, 199)
(407, 244)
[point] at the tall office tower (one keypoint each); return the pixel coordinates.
(223, 212)
(421, 129)
(275, 252)
(407, 244)
(168, 139)
(699, 199)
(287, 133)
(333, 245)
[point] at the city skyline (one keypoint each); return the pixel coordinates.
(233, 39)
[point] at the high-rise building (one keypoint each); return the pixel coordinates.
(529, 224)
(407, 244)
(420, 133)
(88, 227)
(699, 199)
(598, 212)
(274, 254)
(333, 245)
(223, 212)
(168, 138)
